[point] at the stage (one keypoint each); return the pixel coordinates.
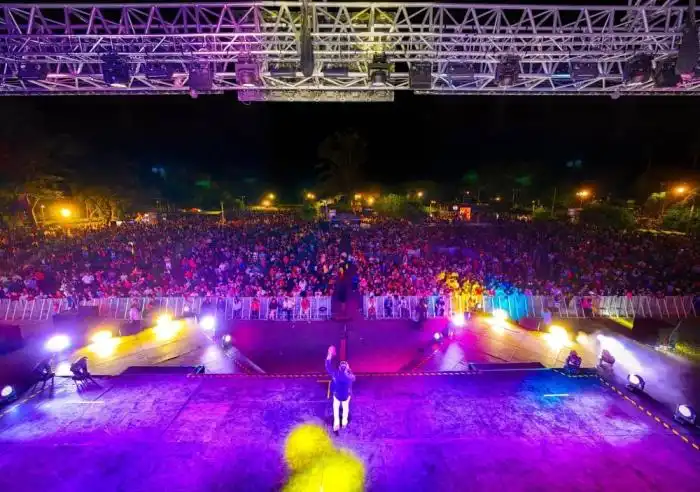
(512, 430)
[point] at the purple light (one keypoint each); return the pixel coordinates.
(57, 343)
(437, 336)
(685, 411)
(7, 391)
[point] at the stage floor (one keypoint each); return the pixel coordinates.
(515, 431)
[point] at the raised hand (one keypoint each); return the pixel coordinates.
(331, 351)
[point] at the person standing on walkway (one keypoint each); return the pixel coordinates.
(341, 384)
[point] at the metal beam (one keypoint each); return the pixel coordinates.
(71, 39)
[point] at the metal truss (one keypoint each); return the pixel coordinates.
(71, 39)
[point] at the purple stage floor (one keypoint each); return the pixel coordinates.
(492, 431)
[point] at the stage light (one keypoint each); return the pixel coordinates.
(458, 320)
(57, 343)
(7, 392)
(200, 78)
(227, 338)
(635, 382)
(63, 369)
(101, 336)
(420, 76)
(638, 70)
(437, 336)
(115, 70)
(508, 71)
(248, 74)
(558, 337)
(28, 70)
(79, 368)
(65, 212)
(573, 362)
(606, 359)
(164, 319)
(685, 415)
(500, 315)
(379, 70)
(208, 323)
(582, 338)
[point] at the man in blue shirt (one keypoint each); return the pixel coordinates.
(341, 382)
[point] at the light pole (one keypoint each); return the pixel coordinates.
(689, 194)
(582, 195)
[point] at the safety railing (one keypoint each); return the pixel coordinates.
(124, 308)
(520, 306)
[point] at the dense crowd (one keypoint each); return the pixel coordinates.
(276, 255)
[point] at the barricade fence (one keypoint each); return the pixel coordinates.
(521, 306)
(126, 308)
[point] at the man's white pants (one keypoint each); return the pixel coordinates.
(336, 412)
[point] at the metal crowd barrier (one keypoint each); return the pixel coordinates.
(520, 306)
(120, 308)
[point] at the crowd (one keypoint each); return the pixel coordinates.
(276, 255)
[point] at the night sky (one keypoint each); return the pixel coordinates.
(416, 137)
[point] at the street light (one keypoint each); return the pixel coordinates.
(310, 196)
(420, 194)
(271, 196)
(370, 201)
(582, 195)
(266, 203)
(680, 190)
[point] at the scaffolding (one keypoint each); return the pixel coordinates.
(61, 49)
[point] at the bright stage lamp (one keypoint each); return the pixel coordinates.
(558, 337)
(208, 323)
(437, 336)
(635, 382)
(500, 315)
(101, 336)
(57, 343)
(63, 369)
(458, 320)
(7, 392)
(685, 415)
(65, 213)
(164, 319)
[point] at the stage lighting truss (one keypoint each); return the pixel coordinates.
(464, 45)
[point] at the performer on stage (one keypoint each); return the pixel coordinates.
(341, 383)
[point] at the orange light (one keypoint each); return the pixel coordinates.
(310, 196)
(681, 190)
(370, 200)
(271, 196)
(266, 203)
(358, 196)
(65, 213)
(583, 193)
(420, 194)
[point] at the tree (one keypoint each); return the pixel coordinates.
(604, 215)
(682, 218)
(342, 157)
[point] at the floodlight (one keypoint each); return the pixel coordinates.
(208, 323)
(247, 74)
(164, 319)
(379, 71)
(558, 337)
(7, 392)
(638, 69)
(458, 320)
(665, 73)
(115, 70)
(635, 382)
(57, 343)
(508, 71)
(500, 315)
(460, 71)
(606, 359)
(159, 71)
(573, 362)
(685, 414)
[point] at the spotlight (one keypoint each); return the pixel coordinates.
(635, 382)
(164, 319)
(606, 359)
(558, 337)
(200, 78)
(7, 393)
(208, 323)
(508, 71)
(101, 336)
(420, 76)
(57, 343)
(115, 70)
(437, 336)
(247, 74)
(378, 71)
(159, 71)
(63, 369)
(79, 368)
(685, 415)
(458, 320)
(500, 315)
(226, 342)
(573, 363)
(638, 69)
(166, 328)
